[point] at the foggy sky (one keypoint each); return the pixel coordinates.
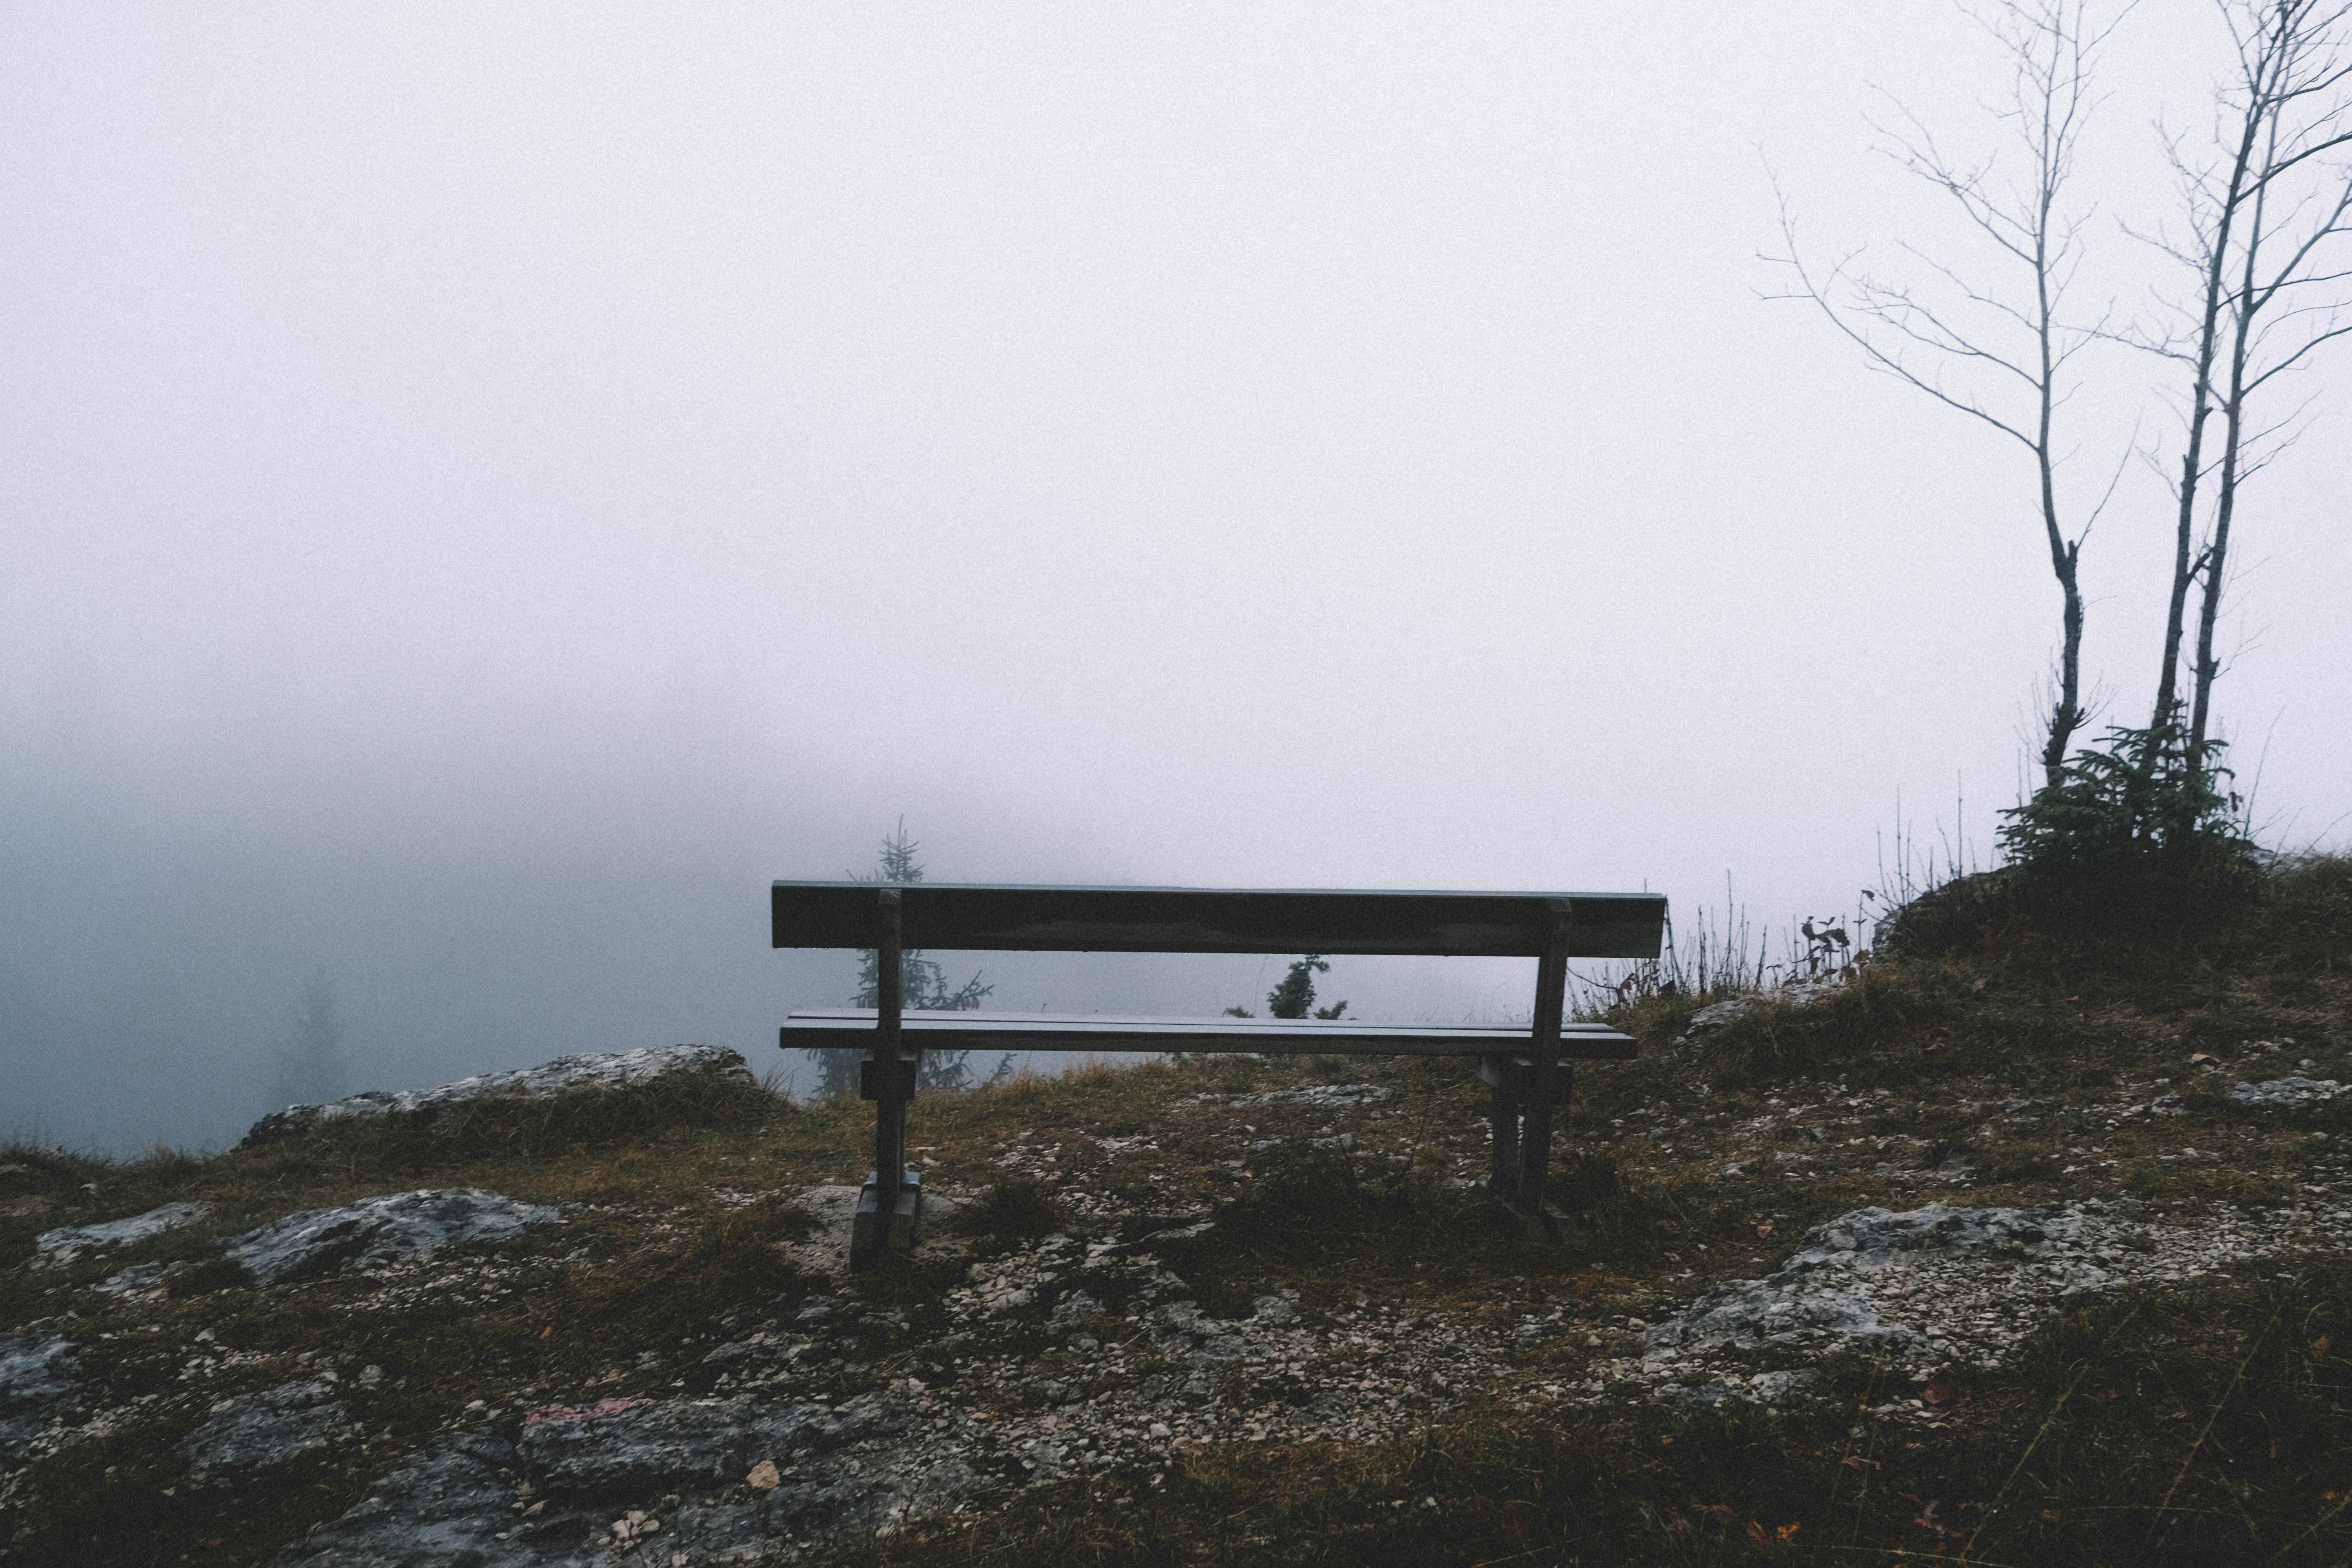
(483, 490)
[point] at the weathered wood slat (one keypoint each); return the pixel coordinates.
(941, 916)
(854, 1027)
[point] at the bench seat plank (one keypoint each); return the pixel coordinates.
(853, 1028)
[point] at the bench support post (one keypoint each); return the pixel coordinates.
(890, 1205)
(1503, 1121)
(1526, 1096)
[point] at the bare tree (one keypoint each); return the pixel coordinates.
(1996, 352)
(2261, 210)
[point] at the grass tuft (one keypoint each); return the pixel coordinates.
(1014, 1209)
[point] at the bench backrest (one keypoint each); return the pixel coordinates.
(959, 917)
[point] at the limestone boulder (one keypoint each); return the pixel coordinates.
(379, 1231)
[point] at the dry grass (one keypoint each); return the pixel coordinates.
(2199, 1427)
(2205, 1426)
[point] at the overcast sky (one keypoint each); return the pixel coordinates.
(483, 490)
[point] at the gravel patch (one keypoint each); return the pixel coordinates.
(1322, 1097)
(2295, 1090)
(1933, 1287)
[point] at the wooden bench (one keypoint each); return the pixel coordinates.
(1527, 1065)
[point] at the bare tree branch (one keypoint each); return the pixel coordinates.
(2259, 237)
(1995, 347)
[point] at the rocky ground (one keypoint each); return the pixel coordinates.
(1109, 1343)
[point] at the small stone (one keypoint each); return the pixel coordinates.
(764, 1477)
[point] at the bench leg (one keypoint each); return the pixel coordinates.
(1503, 1121)
(890, 1207)
(887, 1212)
(1542, 1216)
(1526, 1094)
(1522, 1146)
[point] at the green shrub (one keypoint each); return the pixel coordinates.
(2131, 840)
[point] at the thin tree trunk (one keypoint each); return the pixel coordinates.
(2185, 564)
(2066, 715)
(2234, 416)
(2050, 46)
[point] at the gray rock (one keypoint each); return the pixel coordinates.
(1690, 1396)
(1201, 1347)
(38, 1372)
(834, 1210)
(1779, 1387)
(1323, 1097)
(253, 1437)
(1949, 919)
(1757, 1315)
(1185, 1333)
(1077, 1305)
(139, 1278)
(1792, 1308)
(382, 1230)
(653, 1481)
(1274, 1312)
(1715, 1016)
(65, 1245)
(1937, 1285)
(646, 1446)
(1708, 1019)
(846, 1470)
(443, 1507)
(614, 1071)
(1863, 1237)
(2295, 1090)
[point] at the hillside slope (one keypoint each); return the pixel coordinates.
(2006, 1252)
